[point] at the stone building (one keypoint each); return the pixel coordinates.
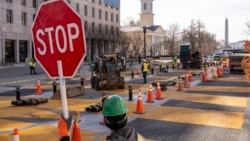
(101, 22)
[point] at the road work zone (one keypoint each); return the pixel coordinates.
(214, 110)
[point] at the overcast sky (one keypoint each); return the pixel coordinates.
(211, 12)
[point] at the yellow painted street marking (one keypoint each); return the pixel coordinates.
(213, 99)
(197, 116)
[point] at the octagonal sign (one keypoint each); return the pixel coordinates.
(58, 35)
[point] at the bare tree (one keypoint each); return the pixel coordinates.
(124, 41)
(131, 22)
(248, 27)
(172, 36)
(137, 42)
(199, 38)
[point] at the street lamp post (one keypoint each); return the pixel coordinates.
(2, 44)
(144, 31)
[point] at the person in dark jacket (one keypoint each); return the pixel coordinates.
(115, 117)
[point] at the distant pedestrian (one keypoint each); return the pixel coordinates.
(144, 69)
(139, 59)
(32, 65)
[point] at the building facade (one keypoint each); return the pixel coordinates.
(101, 23)
(153, 43)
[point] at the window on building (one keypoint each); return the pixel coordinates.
(34, 3)
(34, 16)
(93, 27)
(9, 1)
(112, 17)
(106, 15)
(112, 29)
(93, 1)
(93, 12)
(85, 10)
(100, 2)
(106, 29)
(100, 14)
(117, 18)
(77, 7)
(100, 28)
(145, 6)
(117, 30)
(9, 16)
(23, 2)
(86, 26)
(24, 18)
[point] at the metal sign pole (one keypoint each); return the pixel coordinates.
(63, 90)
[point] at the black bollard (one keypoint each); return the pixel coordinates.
(132, 74)
(17, 93)
(152, 70)
(82, 81)
(130, 92)
(104, 96)
(160, 68)
(54, 87)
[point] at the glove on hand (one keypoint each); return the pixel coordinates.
(64, 126)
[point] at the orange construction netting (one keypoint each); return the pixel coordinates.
(245, 63)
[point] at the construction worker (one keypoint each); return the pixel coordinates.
(64, 128)
(115, 117)
(32, 65)
(144, 70)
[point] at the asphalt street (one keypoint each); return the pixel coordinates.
(215, 110)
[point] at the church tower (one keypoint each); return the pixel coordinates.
(147, 16)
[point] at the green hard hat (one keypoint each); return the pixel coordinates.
(114, 105)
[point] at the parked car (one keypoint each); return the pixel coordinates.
(217, 56)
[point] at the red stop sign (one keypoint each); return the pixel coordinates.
(58, 35)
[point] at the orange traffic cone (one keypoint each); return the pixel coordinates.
(139, 106)
(150, 95)
(138, 71)
(187, 85)
(158, 91)
(76, 132)
(38, 87)
(204, 76)
(15, 135)
(190, 77)
(180, 86)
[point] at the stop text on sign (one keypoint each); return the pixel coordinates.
(58, 32)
